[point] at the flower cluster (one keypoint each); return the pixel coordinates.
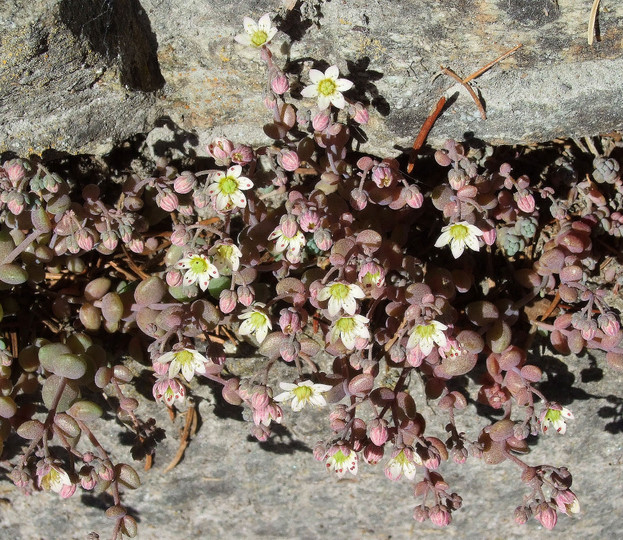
(332, 263)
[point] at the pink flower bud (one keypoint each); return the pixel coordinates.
(362, 116)
(87, 479)
(521, 515)
(378, 431)
(420, 513)
(109, 240)
(280, 84)
(67, 491)
(85, 239)
(220, 149)
(489, 236)
(16, 203)
(372, 454)
(525, 202)
(290, 321)
(440, 516)
(242, 154)
(547, 516)
(309, 220)
(290, 160)
(290, 351)
(246, 295)
(288, 226)
(358, 199)
(136, 245)
(184, 183)
(383, 176)
(608, 324)
(412, 196)
(227, 301)
(321, 120)
(174, 278)
(259, 398)
(320, 451)
(180, 236)
(106, 473)
(160, 368)
(167, 201)
(15, 171)
(323, 239)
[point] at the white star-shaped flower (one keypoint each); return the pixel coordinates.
(292, 245)
(303, 393)
(225, 189)
(425, 336)
(341, 296)
(556, 416)
(327, 88)
(348, 329)
(255, 321)
(257, 34)
(54, 480)
(459, 236)
(341, 463)
(402, 464)
(188, 361)
(226, 258)
(199, 269)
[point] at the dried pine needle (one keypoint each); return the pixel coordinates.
(591, 22)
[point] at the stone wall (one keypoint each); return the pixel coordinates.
(78, 76)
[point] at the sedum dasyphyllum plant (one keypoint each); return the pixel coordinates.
(359, 278)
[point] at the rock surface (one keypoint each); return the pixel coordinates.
(78, 76)
(229, 486)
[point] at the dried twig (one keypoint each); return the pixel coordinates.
(467, 87)
(426, 127)
(436, 112)
(592, 21)
(189, 428)
(492, 63)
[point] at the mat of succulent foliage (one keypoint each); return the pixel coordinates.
(303, 247)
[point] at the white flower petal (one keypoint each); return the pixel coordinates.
(249, 24)
(338, 100)
(238, 199)
(244, 183)
(457, 249)
(444, 238)
(310, 91)
(316, 76)
(344, 84)
(234, 171)
(324, 102)
(332, 73)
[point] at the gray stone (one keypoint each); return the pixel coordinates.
(230, 486)
(80, 75)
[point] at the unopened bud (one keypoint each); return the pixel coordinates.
(280, 84)
(290, 160)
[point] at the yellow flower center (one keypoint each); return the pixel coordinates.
(553, 415)
(339, 458)
(339, 291)
(257, 319)
(259, 38)
(303, 393)
(327, 87)
(459, 232)
(424, 331)
(184, 357)
(228, 185)
(345, 324)
(198, 265)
